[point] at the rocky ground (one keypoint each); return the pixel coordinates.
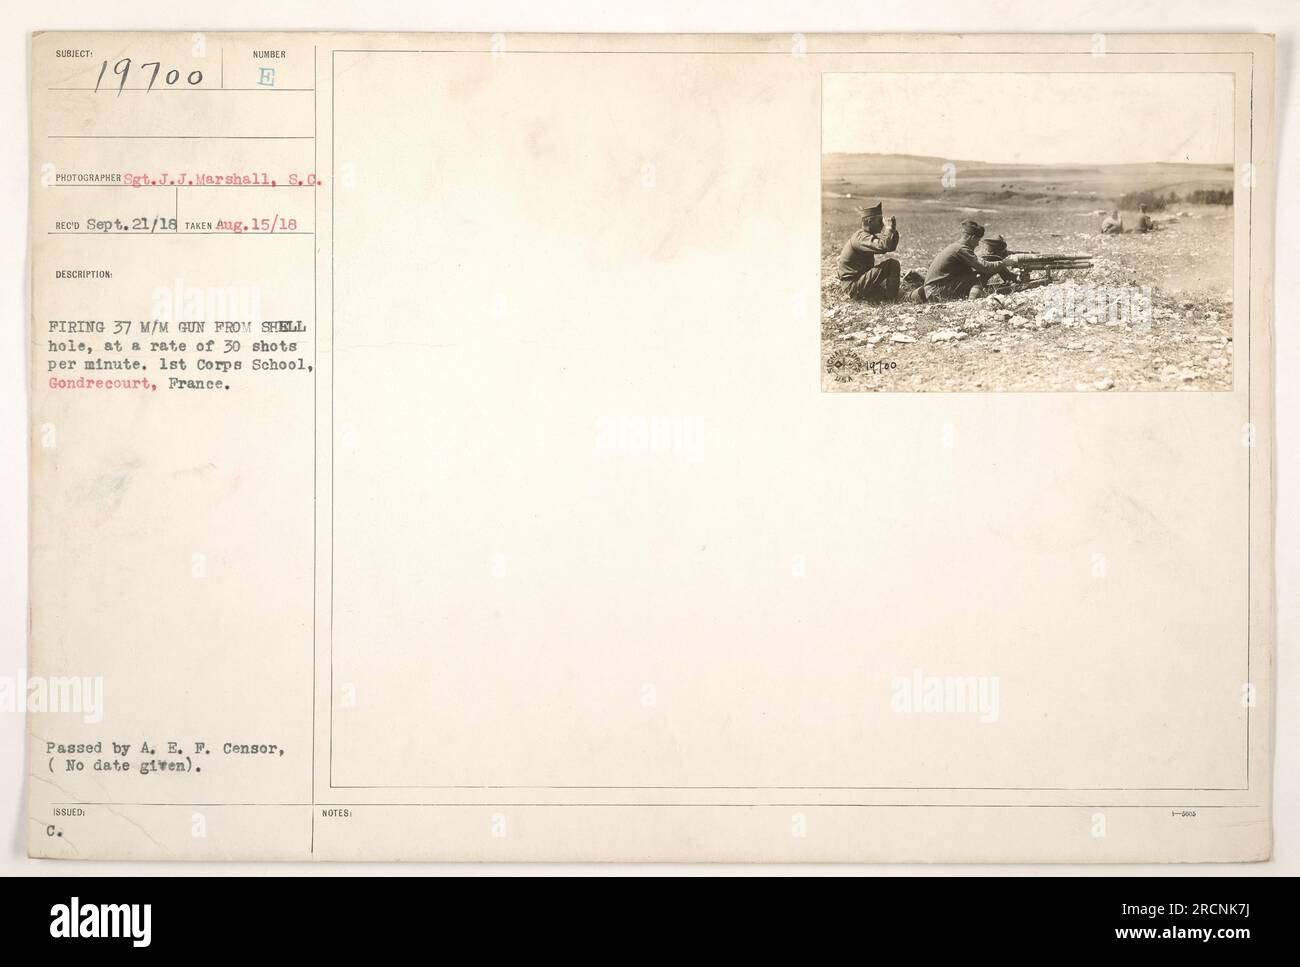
(1154, 313)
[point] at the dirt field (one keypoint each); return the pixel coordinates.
(1090, 333)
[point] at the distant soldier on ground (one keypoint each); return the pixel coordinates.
(1144, 222)
(958, 273)
(860, 277)
(1112, 224)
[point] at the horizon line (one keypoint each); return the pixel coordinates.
(1038, 164)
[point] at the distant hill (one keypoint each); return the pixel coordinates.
(981, 182)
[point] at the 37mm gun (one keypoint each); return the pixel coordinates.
(1028, 263)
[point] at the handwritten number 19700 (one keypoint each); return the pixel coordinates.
(123, 68)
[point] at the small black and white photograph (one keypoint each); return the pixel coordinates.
(987, 232)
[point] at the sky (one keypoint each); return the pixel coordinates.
(1091, 118)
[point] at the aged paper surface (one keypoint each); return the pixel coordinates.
(473, 447)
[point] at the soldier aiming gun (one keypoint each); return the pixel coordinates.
(959, 273)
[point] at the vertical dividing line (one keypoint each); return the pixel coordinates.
(1250, 463)
(333, 356)
(315, 419)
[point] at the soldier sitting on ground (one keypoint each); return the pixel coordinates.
(1112, 224)
(1144, 222)
(959, 273)
(860, 277)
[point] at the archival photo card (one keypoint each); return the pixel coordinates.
(463, 447)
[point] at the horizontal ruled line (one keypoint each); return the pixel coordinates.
(175, 234)
(181, 90)
(679, 805)
(181, 137)
(119, 184)
(826, 788)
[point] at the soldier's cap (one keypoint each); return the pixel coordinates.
(867, 211)
(972, 227)
(994, 245)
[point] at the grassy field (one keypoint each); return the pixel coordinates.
(1030, 343)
